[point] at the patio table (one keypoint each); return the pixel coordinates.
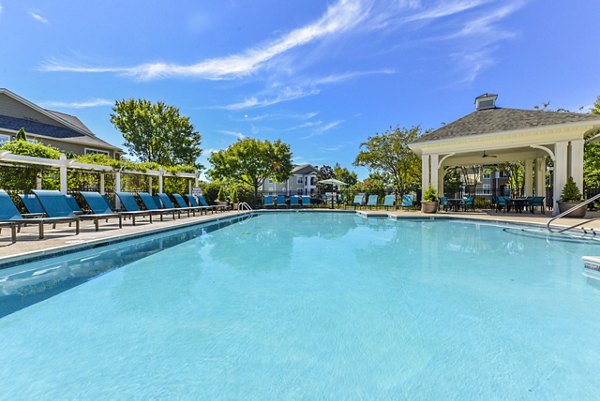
(455, 204)
(519, 204)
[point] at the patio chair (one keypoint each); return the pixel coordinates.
(72, 202)
(294, 201)
(10, 216)
(131, 206)
(537, 201)
(389, 201)
(192, 201)
(55, 204)
(281, 201)
(183, 205)
(469, 203)
(503, 203)
(33, 206)
(372, 202)
(358, 200)
(444, 204)
(168, 204)
(99, 205)
(203, 202)
(268, 201)
(407, 201)
(306, 202)
(151, 205)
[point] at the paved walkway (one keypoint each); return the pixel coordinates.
(63, 237)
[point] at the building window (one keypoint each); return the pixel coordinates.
(487, 176)
(305, 180)
(312, 180)
(4, 138)
(299, 191)
(487, 189)
(299, 181)
(89, 151)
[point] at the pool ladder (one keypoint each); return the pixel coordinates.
(563, 214)
(244, 206)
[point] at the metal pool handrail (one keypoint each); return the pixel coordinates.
(563, 214)
(244, 206)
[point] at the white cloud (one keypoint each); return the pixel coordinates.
(79, 105)
(339, 17)
(286, 95)
(210, 151)
(323, 128)
(446, 9)
(1, 8)
(238, 135)
(330, 79)
(38, 17)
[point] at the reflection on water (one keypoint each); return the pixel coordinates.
(25, 285)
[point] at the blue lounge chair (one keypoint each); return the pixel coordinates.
(72, 202)
(389, 201)
(131, 207)
(469, 203)
(444, 204)
(407, 201)
(268, 201)
(33, 206)
(184, 206)
(192, 201)
(55, 204)
(281, 201)
(294, 201)
(372, 202)
(10, 216)
(165, 201)
(358, 200)
(537, 201)
(306, 201)
(151, 205)
(203, 202)
(99, 204)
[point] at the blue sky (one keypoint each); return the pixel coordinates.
(320, 75)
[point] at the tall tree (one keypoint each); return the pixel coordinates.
(156, 132)
(252, 161)
(344, 175)
(325, 172)
(388, 153)
(591, 155)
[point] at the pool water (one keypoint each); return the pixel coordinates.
(327, 306)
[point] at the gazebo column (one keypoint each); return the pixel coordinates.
(160, 180)
(528, 177)
(540, 176)
(434, 171)
(424, 172)
(576, 162)
(560, 172)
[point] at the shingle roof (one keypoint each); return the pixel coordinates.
(34, 127)
(501, 119)
(304, 169)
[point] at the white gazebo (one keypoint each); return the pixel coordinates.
(492, 135)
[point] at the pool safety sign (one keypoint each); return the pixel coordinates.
(196, 191)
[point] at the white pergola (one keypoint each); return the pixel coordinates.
(534, 135)
(63, 165)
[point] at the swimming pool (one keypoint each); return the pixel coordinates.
(304, 306)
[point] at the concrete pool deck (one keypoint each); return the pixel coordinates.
(63, 237)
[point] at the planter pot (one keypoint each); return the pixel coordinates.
(429, 207)
(579, 213)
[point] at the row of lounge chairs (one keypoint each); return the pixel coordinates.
(270, 201)
(51, 207)
(389, 201)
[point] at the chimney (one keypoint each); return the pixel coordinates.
(486, 101)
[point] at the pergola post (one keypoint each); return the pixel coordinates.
(38, 181)
(424, 172)
(189, 186)
(576, 162)
(540, 176)
(102, 191)
(150, 184)
(560, 172)
(528, 177)
(63, 173)
(160, 180)
(117, 188)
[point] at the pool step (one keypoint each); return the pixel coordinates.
(591, 266)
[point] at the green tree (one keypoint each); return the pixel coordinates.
(591, 155)
(325, 172)
(252, 161)
(344, 175)
(156, 132)
(24, 177)
(389, 154)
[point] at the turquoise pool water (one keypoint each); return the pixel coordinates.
(307, 306)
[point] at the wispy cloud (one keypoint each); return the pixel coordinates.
(338, 18)
(444, 9)
(335, 78)
(238, 135)
(285, 95)
(323, 128)
(1, 8)
(209, 151)
(79, 105)
(36, 15)
(332, 148)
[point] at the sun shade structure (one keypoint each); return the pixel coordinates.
(493, 135)
(332, 181)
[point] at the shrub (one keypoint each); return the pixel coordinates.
(570, 192)
(430, 195)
